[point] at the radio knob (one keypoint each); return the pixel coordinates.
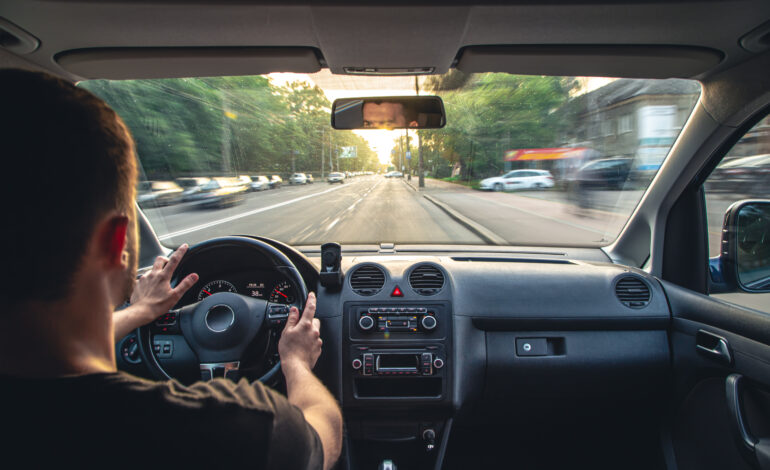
(438, 363)
(357, 363)
(428, 322)
(366, 323)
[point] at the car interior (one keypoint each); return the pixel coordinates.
(649, 349)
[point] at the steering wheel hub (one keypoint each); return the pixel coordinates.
(219, 318)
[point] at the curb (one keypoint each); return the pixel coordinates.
(483, 232)
(409, 185)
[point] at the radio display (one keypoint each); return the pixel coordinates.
(398, 361)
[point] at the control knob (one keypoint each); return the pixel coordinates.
(428, 322)
(357, 364)
(438, 363)
(366, 323)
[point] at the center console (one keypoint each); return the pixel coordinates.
(397, 377)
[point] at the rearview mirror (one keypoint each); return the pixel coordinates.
(744, 261)
(389, 112)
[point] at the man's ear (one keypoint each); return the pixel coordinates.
(113, 240)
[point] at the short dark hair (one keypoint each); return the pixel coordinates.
(68, 160)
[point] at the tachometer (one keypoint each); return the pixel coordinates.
(216, 286)
(282, 293)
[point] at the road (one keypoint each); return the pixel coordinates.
(364, 210)
(373, 210)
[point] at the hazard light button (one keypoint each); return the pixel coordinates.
(397, 292)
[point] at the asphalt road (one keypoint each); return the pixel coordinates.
(364, 210)
(373, 210)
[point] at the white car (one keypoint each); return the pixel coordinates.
(519, 179)
(260, 183)
(336, 178)
(298, 178)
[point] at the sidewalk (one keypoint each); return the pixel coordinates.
(514, 218)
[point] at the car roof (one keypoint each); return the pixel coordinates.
(575, 37)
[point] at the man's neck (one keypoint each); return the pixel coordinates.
(58, 339)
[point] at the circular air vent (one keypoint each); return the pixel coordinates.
(426, 280)
(632, 292)
(367, 280)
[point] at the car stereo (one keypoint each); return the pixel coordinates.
(417, 361)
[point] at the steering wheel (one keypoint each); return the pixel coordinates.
(224, 328)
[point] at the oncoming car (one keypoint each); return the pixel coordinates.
(540, 323)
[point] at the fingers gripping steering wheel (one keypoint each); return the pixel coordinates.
(223, 327)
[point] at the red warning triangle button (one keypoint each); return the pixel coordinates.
(397, 292)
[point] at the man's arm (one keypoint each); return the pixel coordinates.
(153, 295)
(299, 348)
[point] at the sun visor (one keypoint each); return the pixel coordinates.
(174, 62)
(591, 61)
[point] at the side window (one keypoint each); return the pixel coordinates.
(744, 173)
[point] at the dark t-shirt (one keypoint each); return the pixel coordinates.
(118, 420)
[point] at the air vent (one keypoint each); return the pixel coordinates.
(426, 280)
(367, 280)
(632, 292)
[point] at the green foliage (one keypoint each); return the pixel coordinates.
(488, 114)
(230, 126)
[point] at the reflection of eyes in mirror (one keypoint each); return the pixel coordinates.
(387, 115)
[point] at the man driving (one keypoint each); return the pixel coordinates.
(72, 247)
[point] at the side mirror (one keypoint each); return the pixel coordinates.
(744, 260)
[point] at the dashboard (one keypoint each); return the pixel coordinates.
(415, 342)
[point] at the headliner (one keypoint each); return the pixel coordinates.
(395, 34)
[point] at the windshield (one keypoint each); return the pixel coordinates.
(596, 144)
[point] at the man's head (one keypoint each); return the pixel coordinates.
(386, 115)
(68, 192)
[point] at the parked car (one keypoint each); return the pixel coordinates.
(744, 175)
(310, 179)
(158, 193)
(244, 180)
(191, 186)
(519, 179)
(607, 173)
(259, 183)
(221, 192)
(394, 174)
(336, 178)
(298, 178)
(275, 182)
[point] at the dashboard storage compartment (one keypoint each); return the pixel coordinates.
(543, 366)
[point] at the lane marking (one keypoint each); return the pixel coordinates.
(333, 224)
(244, 214)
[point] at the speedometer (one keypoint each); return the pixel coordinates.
(282, 293)
(216, 286)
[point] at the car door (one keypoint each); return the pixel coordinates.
(720, 342)
(515, 180)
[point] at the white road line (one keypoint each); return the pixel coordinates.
(333, 224)
(244, 214)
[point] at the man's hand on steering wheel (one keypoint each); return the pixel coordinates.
(300, 343)
(153, 295)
